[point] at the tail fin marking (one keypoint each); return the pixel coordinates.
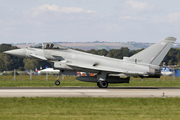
(155, 53)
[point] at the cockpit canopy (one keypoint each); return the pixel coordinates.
(37, 46)
(49, 46)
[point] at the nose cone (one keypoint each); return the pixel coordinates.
(17, 52)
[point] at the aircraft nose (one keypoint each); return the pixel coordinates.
(17, 52)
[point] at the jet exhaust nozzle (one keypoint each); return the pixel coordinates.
(154, 73)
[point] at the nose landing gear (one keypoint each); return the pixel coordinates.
(57, 82)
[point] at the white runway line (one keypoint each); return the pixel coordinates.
(51, 91)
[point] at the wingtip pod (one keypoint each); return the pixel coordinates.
(170, 39)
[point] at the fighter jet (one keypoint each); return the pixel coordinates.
(144, 64)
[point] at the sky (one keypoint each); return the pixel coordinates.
(36, 21)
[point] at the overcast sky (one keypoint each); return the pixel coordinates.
(88, 20)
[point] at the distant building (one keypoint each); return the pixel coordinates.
(99, 42)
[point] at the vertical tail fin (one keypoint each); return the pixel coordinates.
(155, 53)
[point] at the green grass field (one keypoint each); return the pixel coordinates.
(47, 108)
(90, 108)
(40, 81)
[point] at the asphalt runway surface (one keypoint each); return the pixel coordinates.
(90, 92)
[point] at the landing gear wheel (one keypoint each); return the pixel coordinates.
(102, 84)
(98, 84)
(57, 82)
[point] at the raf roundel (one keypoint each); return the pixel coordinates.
(73, 56)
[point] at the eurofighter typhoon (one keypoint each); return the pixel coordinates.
(144, 64)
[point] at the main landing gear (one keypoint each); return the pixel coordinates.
(102, 84)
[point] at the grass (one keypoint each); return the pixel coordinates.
(90, 108)
(40, 81)
(47, 108)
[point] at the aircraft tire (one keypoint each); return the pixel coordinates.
(98, 85)
(57, 82)
(103, 84)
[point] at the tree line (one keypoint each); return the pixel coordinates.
(8, 62)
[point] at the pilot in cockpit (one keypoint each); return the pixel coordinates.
(51, 47)
(47, 46)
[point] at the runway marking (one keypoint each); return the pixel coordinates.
(90, 93)
(51, 91)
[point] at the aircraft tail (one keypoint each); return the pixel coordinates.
(155, 53)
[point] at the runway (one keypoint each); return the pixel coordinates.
(90, 92)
